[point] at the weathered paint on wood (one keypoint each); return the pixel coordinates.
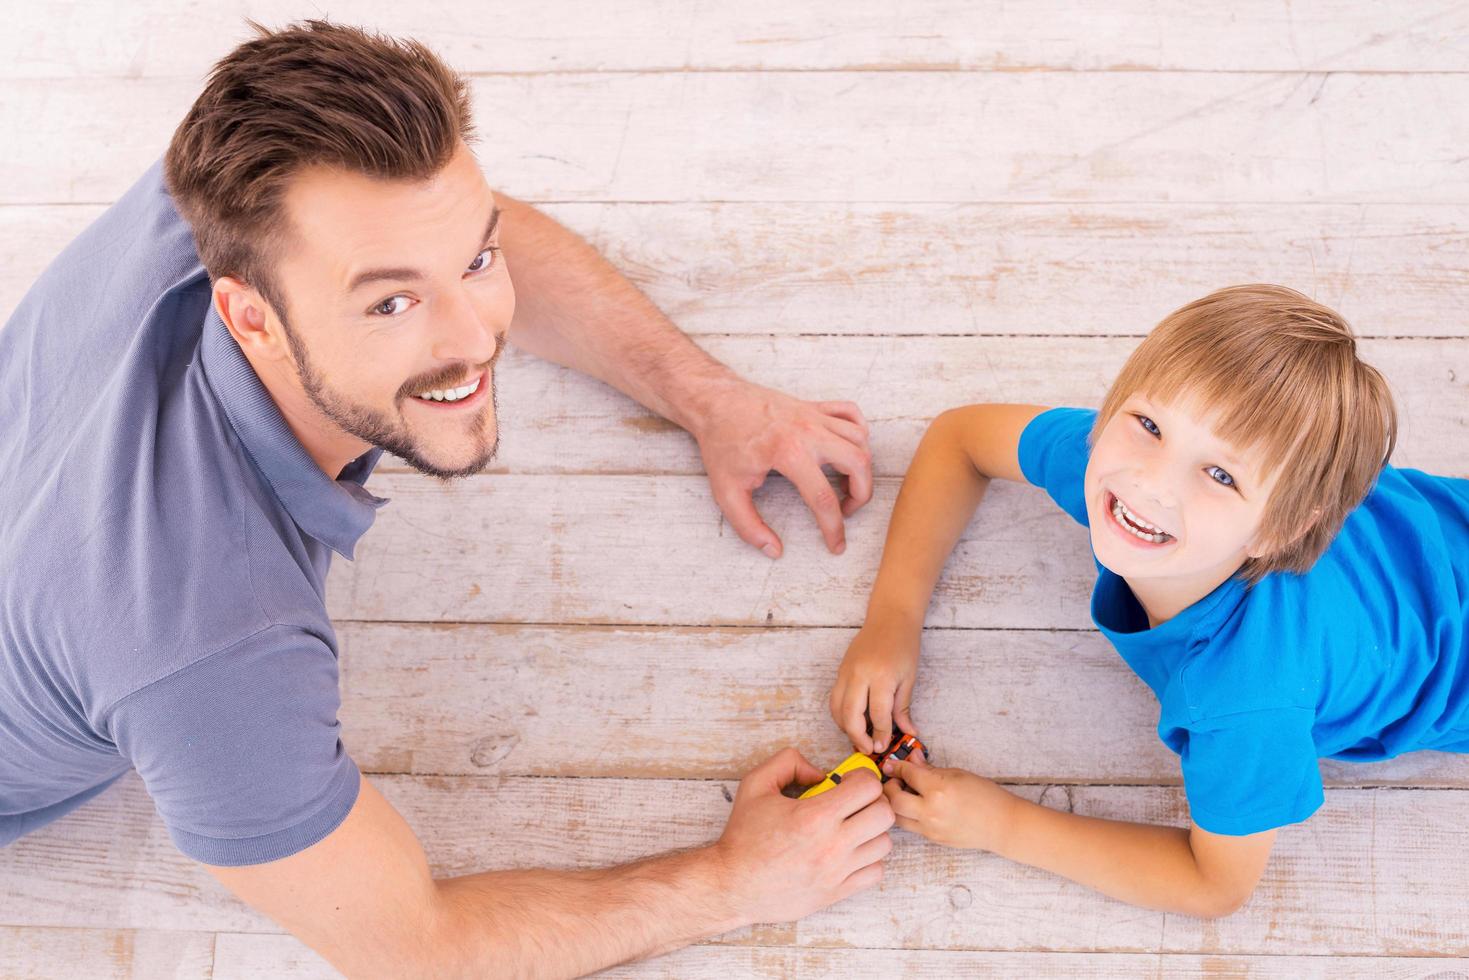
(47, 952)
(841, 269)
(1366, 875)
(1019, 706)
(857, 136)
(151, 39)
(248, 957)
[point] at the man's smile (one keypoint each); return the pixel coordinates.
(467, 395)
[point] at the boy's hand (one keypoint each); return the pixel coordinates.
(875, 681)
(951, 806)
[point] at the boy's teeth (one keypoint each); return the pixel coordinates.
(1134, 525)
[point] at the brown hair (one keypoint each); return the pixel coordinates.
(313, 93)
(1282, 372)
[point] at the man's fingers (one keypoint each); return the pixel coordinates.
(856, 463)
(857, 789)
(739, 509)
(780, 770)
(860, 879)
(845, 410)
(822, 500)
(873, 850)
(850, 431)
(873, 819)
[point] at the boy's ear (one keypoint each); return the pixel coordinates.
(1261, 547)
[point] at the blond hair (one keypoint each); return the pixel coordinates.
(1282, 372)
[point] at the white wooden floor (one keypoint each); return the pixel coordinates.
(570, 660)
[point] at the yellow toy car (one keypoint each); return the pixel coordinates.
(901, 747)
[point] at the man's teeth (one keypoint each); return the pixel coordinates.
(1135, 525)
(450, 394)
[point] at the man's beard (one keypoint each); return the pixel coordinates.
(377, 428)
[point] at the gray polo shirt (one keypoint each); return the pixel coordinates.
(164, 544)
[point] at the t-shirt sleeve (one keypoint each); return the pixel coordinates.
(1253, 771)
(241, 751)
(1053, 456)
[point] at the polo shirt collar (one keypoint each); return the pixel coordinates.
(335, 512)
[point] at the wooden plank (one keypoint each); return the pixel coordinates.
(1365, 876)
(45, 952)
(859, 136)
(1025, 706)
(245, 957)
(98, 39)
(777, 268)
(656, 551)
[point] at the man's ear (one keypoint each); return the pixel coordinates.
(249, 319)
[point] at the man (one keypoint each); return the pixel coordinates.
(186, 445)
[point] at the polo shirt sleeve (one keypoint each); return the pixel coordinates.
(241, 750)
(1053, 456)
(1253, 771)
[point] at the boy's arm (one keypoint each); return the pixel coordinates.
(961, 451)
(1193, 872)
(574, 308)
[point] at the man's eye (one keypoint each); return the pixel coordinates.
(1220, 476)
(1148, 424)
(484, 260)
(392, 306)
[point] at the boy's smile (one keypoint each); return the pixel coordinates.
(1173, 508)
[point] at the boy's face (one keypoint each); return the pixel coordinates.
(1169, 500)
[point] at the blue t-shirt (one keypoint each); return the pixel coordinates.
(164, 544)
(1361, 658)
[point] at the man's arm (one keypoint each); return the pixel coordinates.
(574, 308)
(365, 899)
(1192, 871)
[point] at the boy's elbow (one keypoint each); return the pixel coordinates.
(1218, 902)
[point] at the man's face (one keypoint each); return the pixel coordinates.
(397, 304)
(1167, 499)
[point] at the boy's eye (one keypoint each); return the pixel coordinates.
(1220, 476)
(484, 260)
(392, 306)
(1149, 425)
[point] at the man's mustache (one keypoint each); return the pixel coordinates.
(449, 376)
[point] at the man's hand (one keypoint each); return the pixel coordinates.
(786, 858)
(747, 431)
(875, 681)
(949, 806)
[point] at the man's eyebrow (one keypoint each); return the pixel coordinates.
(407, 274)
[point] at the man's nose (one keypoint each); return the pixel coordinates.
(461, 334)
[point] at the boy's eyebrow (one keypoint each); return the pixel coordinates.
(403, 273)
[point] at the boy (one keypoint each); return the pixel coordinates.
(1284, 592)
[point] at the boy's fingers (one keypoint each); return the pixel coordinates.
(905, 805)
(909, 824)
(901, 705)
(853, 719)
(916, 775)
(880, 707)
